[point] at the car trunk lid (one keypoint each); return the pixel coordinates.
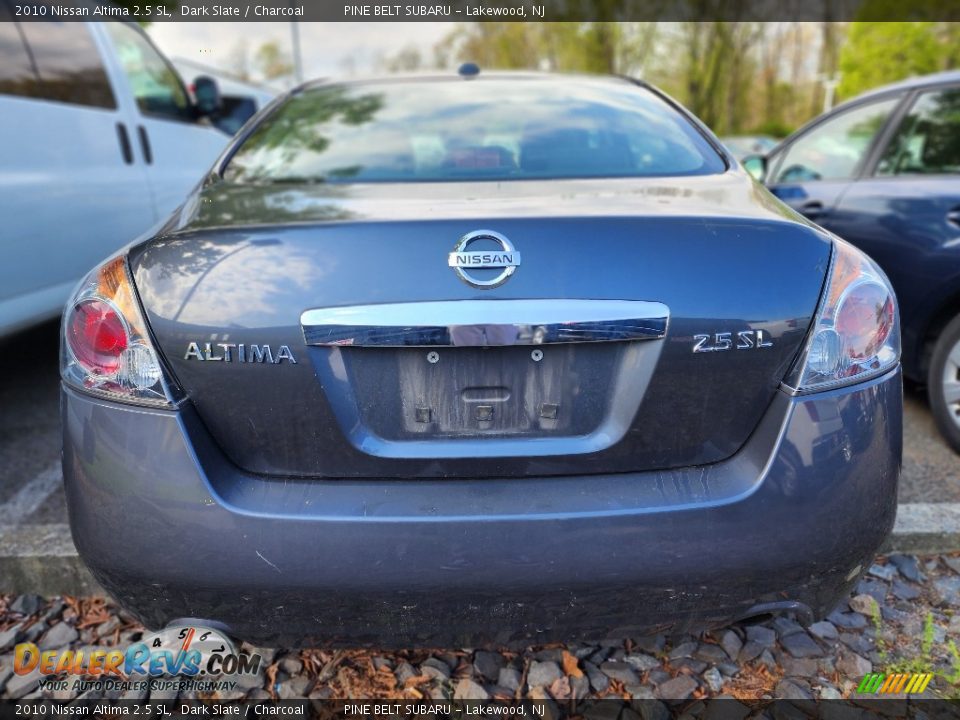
(647, 325)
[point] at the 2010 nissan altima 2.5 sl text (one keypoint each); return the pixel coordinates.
(480, 359)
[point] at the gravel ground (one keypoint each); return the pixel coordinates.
(899, 619)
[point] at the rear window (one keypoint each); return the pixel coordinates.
(471, 130)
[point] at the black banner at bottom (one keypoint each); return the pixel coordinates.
(606, 709)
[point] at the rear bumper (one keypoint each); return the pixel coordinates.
(173, 530)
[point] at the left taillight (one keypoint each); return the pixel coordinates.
(106, 350)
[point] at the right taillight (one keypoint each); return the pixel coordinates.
(856, 334)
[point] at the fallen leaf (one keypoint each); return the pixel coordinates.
(272, 680)
(560, 689)
(571, 665)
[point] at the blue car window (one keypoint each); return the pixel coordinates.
(835, 148)
(928, 139)
(488, 129)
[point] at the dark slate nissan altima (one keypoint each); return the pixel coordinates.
(479, 360)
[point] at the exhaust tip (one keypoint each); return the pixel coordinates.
(801, 610)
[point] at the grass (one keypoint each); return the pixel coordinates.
(924, 661)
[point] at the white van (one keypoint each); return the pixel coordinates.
(99, 140)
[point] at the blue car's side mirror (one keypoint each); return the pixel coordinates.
(207, 93)
(756, 165)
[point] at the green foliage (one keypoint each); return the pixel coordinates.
(924, 662)
(572, 47)
(299, 127)
(408, 59)
(774, 128)
(768, 76)
(954, 677)
(878, 630)
(926, 644)
(877, 53)
(273, 61)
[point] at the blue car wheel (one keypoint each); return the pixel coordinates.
(943, 383)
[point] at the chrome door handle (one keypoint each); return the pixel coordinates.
(954, 217)
(485, 323)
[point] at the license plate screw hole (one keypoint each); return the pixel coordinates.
(484, 413)
(537, 355)
(433, 357)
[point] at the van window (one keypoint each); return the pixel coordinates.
(67, 64)
(17, 75)
(155, 84)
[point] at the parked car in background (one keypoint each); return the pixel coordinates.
(240, 99)
(99, 140)
(742, 146)
(468, 360)
(883, 171)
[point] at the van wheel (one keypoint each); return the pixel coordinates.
(943, 383)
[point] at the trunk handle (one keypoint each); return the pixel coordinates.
(485, 323)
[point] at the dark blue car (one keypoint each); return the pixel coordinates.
(475, 360)
(883, 172)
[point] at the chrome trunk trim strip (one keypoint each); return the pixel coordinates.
(485, 323)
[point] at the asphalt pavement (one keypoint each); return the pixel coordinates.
(30, 491)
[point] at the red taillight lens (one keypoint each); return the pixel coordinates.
(864, 321)
(97, 336)
(856, 333)
(106, 349)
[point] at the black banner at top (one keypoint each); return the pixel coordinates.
(428, 709)
(488, 10)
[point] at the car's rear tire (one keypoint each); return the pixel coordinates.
(943, 383)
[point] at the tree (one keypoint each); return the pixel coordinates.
(272, 61)
(239, 59)
(503, 45)
(408, 59)
(593, 47)
(716, 67)
(881, 52)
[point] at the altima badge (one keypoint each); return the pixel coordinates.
(234, 352)
(504, 257)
